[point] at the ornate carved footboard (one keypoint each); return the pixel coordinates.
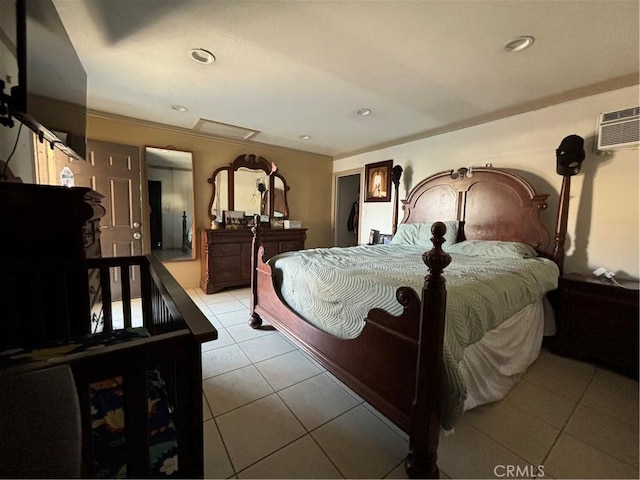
(395, 363)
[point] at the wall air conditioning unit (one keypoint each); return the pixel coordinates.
(619, 130)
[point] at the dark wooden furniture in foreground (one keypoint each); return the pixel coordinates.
(598, 320)
(395, 364)
(176, 327)
(226, 254)
(48, 223)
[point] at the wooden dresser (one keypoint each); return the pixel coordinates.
(45, 223)
(226, 254)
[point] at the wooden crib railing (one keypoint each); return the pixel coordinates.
(44, 302)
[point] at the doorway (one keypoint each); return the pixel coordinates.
(155, 214)
(347, 210)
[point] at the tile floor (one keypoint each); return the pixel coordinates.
(270, 411)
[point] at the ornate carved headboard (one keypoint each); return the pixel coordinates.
(491, 204)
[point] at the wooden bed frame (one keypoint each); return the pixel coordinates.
(176, 326)
(395, 364)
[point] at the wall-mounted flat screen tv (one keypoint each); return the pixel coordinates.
(39, 64)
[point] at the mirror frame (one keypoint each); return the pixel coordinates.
(191, 201)
(250, 162)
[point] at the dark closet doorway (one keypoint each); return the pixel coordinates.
(155, 214)
(347, 204)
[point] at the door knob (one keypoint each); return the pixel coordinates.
(136, 225)
(137, 235)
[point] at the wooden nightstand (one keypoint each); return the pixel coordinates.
(597, 320)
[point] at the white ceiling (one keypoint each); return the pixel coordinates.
(292, 68)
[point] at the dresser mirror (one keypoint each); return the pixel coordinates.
(280, 206)
(250, 191)
(250, 184)
(171, 200)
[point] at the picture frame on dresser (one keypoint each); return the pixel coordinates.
(234, 219)
(384, 238)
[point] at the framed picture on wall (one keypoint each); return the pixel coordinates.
(377, 177)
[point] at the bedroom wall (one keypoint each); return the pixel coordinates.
(603, 217)
(308, 175)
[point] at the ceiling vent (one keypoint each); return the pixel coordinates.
(619, 130)
(224, 130)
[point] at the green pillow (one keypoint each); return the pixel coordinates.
(419, 235)
(493, 249)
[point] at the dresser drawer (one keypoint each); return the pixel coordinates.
(270, 249)
(89, 233)
(291, 245)
(93, 251)
(225, 249)
(227, 254)
(227, 268)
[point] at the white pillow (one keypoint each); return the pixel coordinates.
(419, 235)
(493, 249)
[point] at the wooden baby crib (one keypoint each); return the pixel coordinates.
(47, 319)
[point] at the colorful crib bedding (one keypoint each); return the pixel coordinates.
(107, 417)
(107, 414)
(487, 282)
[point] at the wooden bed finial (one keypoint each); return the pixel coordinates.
(396, 174)
(569, 157)
(257, 250)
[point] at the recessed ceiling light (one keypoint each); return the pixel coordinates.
(201, 55)
(179, 108)
(363, 112)
(519, 44)
(305, 137)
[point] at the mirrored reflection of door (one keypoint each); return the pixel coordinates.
(170, 177)
(155, 213)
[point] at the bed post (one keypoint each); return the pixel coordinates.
(254, 320)
(396, 173)
(425, 419)
(569, 157)
(561, 223)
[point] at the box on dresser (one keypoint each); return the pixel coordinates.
(597, 320)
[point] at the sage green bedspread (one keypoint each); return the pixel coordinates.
(334, 289)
